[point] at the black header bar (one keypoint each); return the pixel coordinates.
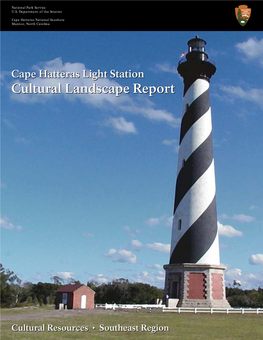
(127, 15)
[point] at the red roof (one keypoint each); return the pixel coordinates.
(69, 288)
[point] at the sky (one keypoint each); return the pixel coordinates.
(88, 180)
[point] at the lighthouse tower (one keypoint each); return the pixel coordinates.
(194, 276)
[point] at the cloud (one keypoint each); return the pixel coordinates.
(88, 235)
(130, 232)
(100, 278)
(37, 277)
(6, 224)
(156, 278)
(143, 277)
(121, 125)
(253, 207)
(154, 266)
(247, 280)
(161, 247)
(173, 143)
(243, 218)
(236, 92)
(146, 108)
(136, 244)
(121, 256)
(169, 141)
(240, 217)
(228, 230)
(154, 221)
(224, 216)
(159, 115)
(150, 278)
(65, 275)
(256, 259)
(233, 274)
(169, 221)
(252, 49)
(165, 67)
(160, 276)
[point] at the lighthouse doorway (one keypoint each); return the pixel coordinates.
(175, 290)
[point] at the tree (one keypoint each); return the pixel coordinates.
(43, 292)
(10, 287)
(122, 291)
(57, 280)
(244, 298)
(26, 295)
(93, 285)
(236, 283)
(72, 281)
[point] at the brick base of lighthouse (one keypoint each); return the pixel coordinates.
(195, 285)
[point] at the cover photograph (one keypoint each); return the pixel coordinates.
(131, 174)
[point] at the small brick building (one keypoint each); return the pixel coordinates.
(77, 296)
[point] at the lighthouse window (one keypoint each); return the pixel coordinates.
(179, 224)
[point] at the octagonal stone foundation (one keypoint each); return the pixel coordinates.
(195, 285)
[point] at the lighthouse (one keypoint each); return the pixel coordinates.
(194, 276)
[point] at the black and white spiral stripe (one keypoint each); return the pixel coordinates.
(195, 232)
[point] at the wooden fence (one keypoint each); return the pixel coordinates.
(161, 308)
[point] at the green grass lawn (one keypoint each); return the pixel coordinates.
(181, 326)
(27, 310)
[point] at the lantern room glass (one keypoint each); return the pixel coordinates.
(196, 44)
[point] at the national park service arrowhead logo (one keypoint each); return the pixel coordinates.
(243, 14)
